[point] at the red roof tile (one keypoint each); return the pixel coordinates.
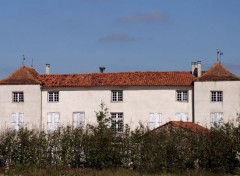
(24, 75)
(186, 125)
(218, 73)
(118, 79)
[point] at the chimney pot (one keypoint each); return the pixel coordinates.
(47, 69)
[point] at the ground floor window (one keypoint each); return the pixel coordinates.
(117, 121)
(78, 119)
(17, 120)
(216, 119)
(53, 121)
(182, 116)
(155, 120)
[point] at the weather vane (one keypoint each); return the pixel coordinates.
(219, 54)
(23, 60)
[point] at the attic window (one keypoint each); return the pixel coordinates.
(117, 95)
(53, 96)
(216, 96)
(17, 97)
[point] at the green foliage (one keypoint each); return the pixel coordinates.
(101, 147)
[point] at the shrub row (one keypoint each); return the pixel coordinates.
(102, 147)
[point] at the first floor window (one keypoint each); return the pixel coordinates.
(182, 116)
(53, 96)
(216, 96)
(182, 95)
(17, 120)
(155, 120)
(117, 121)
(216, 119)
(78, 119)
(53, 121)
(17, 97)
(117, 95)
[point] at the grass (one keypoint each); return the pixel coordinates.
(104, 172)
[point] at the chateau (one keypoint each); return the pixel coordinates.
(47, 101)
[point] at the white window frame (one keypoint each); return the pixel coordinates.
(78, 120)
(53, 119)
(216, 119)
(182, 95)
(182, 116)
(53, 96)
(216, 96)
(17, 120)
(117, 95)
(18, 97)
(155, 120)
(117, 121)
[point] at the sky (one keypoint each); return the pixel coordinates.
(78, 36)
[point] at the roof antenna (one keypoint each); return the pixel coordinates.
(219, 54)
(32, 63)
(23, 60)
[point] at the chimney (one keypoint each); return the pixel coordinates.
(199, 68)
(102, 68)
(47, 68)
(194, 68)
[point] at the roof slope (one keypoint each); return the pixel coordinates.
(118, 79)
(185, 125)
(218, 73)
(24, 75)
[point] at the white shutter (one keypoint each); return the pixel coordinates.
(151, 121)
(15, 121)
(82, 119)
(49, 121)
(75, 120)
(20, 119)
(56, 120)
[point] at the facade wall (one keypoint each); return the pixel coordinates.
(31, 107)
(138, 103)
(203, 106)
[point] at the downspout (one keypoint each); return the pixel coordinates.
(193, 104)
(41, 118)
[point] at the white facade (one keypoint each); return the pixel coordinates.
(204, 106)
(28, 112)
(137, 105)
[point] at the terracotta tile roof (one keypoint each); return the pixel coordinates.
(185, 125)
(118, 79)
(24, 75)
(218, 73)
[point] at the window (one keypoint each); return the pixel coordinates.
(117, 121)
(53, 121)
(181, 116)
(182, 95)
(216, 119)
(155, 120)
(78, 119)
(53, 96)
(18, 97)
(17, 120)
(117, 95)
(216, 96)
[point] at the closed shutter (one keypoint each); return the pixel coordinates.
(75, 120)
(49, 121)
(155, 120)
(82, 119)
(15, 121)
(56, 120)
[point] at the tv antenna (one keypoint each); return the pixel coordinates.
(23, 59)
(219, 54)
(32, 63)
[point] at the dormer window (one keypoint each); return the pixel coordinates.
(17, 97)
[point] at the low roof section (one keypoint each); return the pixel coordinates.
(191, 126)
(23, 76)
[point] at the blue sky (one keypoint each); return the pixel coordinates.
(77, 36)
